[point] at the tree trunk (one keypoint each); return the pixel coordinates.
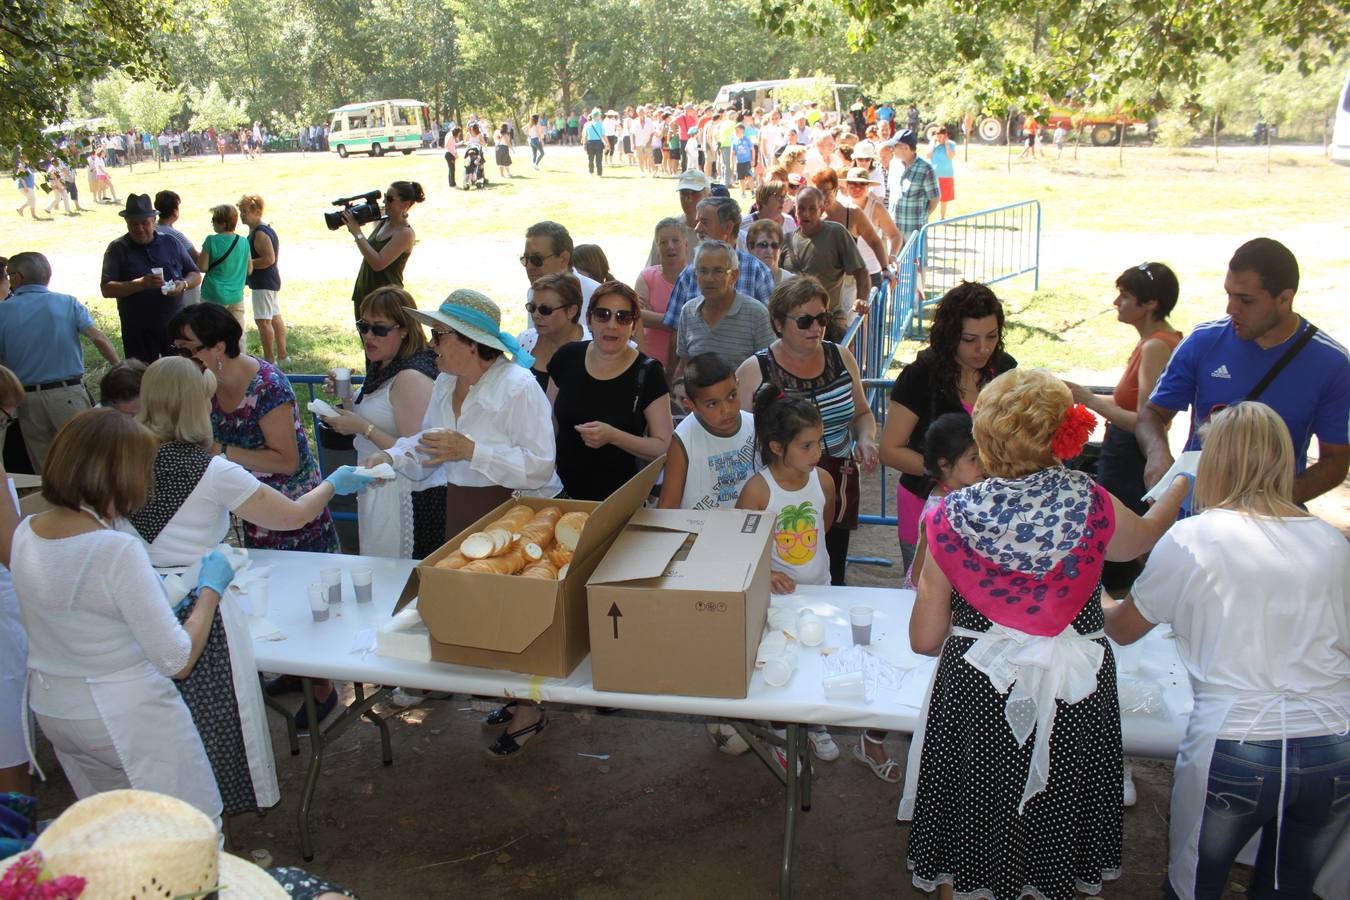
(1007, 139)
(1216, 138)
(1122, 143)
(1268, 127)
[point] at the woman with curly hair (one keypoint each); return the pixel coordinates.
(964, 353)
(1019, 764)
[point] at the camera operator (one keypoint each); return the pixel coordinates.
(386, 251)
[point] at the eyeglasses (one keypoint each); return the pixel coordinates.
(544, 309)
(622, 316)
(437, 335)
(1143, 267)
(767, 245)
(379, 330)
(188, 351)
(717, 272)
(804, 321)
(535, 259)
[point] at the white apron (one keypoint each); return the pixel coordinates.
(13, 667)
(152, 731)
(1190, 781)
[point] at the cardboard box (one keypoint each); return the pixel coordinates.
(521, 624)
(678, 604)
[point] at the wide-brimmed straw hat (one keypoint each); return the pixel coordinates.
(142, 844)
(475, 316)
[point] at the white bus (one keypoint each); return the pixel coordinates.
(378, 127)
(1340, 137)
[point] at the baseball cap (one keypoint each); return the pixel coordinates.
(692, 180)
(904, 137)
(865, 150)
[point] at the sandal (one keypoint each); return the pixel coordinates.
(888, 771)
(509, 745)
(500, 716)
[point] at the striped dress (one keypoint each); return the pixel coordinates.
(831, 391)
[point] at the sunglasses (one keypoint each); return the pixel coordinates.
(379, 330)
(544, 309)
(437, 335)
(767, 245)
(189, 352)
(804, 322)
(1143, 267)
(622, 316)
(535, 259)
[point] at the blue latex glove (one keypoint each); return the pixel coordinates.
(345, 480)
(216, 574)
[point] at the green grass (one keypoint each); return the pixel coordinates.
(1098, 218)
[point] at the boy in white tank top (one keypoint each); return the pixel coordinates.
(713, 453)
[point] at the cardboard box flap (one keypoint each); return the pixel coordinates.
(485, 617)
(730, 535)
(687, 575)
(610, 515)
(689, 521)
(639, 553)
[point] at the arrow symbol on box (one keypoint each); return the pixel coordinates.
(616, 616)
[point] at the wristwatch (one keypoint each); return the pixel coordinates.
(370, 427)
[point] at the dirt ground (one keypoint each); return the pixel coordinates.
(664, 815)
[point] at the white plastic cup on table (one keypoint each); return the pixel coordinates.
(860, 617)
(362, 576)
(772, 646)
(778, 669)
(846, 687)
(343, 377)
(318, 602)
(331, 579)
(257, 597)
(810, 629)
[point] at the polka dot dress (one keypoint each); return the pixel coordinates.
(967, 831)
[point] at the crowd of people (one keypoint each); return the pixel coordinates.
(732, 328)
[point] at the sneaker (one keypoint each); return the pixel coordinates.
(822, 745)
(405, 699)
(1131, 797)
(780, 754)
(282, 684)
(284, 361)
(325, 709)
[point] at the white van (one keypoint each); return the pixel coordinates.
(378, 127)
(1340, 137)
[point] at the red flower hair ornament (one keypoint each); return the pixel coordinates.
(1073, 432)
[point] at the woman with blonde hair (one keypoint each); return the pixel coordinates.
(104, 647)
(1009, 597)
(186, 514)
(1257, 592)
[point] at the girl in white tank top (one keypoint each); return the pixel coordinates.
(798, 495)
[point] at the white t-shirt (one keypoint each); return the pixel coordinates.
(1258, 604)
(204, 518)
(718, 466)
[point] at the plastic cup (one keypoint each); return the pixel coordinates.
(778, 669)
(860, 617)
(343, 377)
(810, 629)
(257, 597)
(318, 602)
(362, 576)
(331, 579)
(846, 687)
(157, 272)
(773, 645)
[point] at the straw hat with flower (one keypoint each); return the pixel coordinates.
(135, 844)
(477, 318)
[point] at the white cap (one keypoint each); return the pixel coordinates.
(692, 180)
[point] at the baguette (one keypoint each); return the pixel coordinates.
(478, 546)
(515, 517)
(569, 528)
(559, 556)
(541, 569)
(501, 539)
(539, 530)
(456, 560)
(532, 551)
(508, 563)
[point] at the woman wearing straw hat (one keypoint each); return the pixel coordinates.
(488, 429)
(118, 843)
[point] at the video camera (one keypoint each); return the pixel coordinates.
(364, 207)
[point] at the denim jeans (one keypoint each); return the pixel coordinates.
(1242, 798)
(536, 150)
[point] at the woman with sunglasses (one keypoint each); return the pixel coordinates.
(611, 402)
(654, 285)
(555, 311)
(859, 197)
(386, 251)
(1145, 296)
(770, 203)
(803, 364)
(392, 518)
(255, 422)
(764, 240)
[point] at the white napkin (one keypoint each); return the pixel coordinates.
(363, 641)
(1186, 463)
(264, 630)
(383, 471)
(877, 674)
(321, 408)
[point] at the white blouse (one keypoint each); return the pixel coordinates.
(509, 420)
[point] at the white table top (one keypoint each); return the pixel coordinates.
(336, 649)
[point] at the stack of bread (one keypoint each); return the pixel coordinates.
(522, 542)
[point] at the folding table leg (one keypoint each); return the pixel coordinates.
(794, 754)
(273, 704)
(312, 772)
(386, 745)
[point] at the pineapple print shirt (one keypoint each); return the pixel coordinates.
(798, 530)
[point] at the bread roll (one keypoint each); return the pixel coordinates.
(456, 560)
(478, 546)
(532, 551)
(508, 563)
(542, 569)
(539, 530)
(559, 556)
(501, 539)
(569, 527)
(515, 517)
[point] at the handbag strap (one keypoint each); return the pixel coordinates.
(1286, 359)
(224, 256)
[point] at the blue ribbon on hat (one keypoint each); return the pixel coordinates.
(483, 322)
